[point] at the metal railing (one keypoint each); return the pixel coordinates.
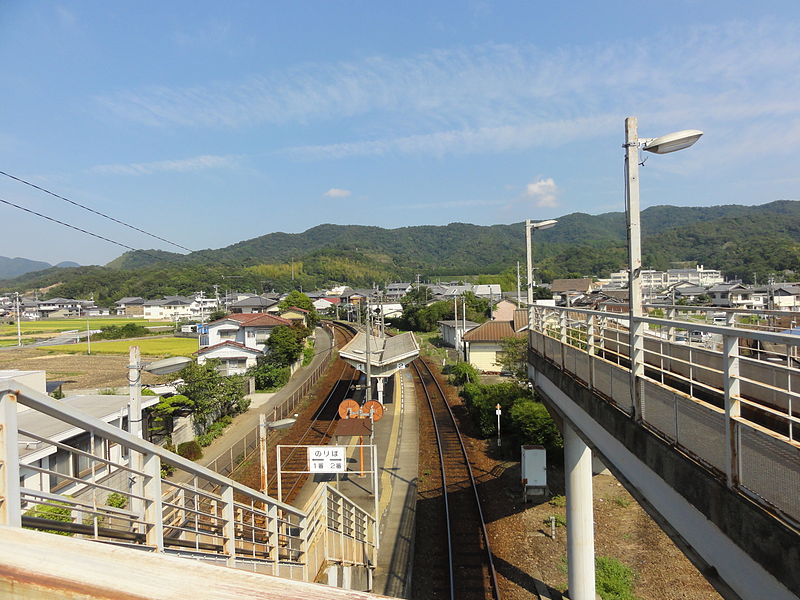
(727, 396)
(104, 484)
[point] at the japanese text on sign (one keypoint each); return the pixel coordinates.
(327, 459)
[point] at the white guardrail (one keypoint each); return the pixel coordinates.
(725, 394)
(105, 484)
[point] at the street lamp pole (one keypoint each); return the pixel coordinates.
(635, 326)
(671, 142)
(529, 227)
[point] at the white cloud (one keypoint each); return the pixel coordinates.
(337, 193)
(543, 192)
(495, 98)
(196, 163)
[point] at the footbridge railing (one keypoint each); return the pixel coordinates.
(726, 395)
(99, 482)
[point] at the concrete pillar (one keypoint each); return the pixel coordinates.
(379, 385)
(580, 519)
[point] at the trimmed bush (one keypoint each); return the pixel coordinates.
(190, 450)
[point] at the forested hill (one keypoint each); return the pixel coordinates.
(736, 239)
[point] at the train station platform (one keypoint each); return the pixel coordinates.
(396, 438)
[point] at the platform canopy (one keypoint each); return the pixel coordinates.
(388, 354)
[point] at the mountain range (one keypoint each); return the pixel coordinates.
(744, 242)
(13, 267)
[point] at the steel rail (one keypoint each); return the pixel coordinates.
(473, 484)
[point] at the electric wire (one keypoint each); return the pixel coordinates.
(54, 220)
(91, 210)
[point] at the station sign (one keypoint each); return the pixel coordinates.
(327, 459)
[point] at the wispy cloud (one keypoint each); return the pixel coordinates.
(337, 193)
(495, 98)
(543, 192)
(196, 163)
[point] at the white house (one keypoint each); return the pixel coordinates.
(238, 340)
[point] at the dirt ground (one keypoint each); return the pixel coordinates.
(524, 550)
(77, 371)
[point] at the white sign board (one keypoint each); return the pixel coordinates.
(327, 459)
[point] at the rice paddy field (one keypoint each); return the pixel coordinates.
(158, 346)
(60, 325)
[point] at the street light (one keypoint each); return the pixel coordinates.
(135, 368)
(529, 227)
(660, 145)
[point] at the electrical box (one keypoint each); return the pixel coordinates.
(534, 471)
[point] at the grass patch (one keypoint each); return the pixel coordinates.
(613, 579)
(168, 346)
(430, 344)
(558, 501)
(620, 501)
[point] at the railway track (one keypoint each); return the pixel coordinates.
(470, 573)
(314, 427)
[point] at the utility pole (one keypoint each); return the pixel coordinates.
(368, 352)
(19, 328)
(519, 300)
(455, 318)
(529, 285)
(293, 268)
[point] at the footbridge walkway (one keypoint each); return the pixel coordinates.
(701, 424)
(111, 486)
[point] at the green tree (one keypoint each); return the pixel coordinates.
(512, 357)
(285, 345)
(300, 300)
(534, 425)
(269, 375)
(212, 394)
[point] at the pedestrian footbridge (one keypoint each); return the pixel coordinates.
(701, 426)
(107, 485)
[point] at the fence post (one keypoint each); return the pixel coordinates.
(153, 507)
(733, 408)
(10, 509)
(228, 527)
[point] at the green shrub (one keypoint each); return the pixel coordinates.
(57, 394)
(54, 511)
(117, 500)
(308, 353)
(214, 431)
(108, 392)
(148, 392)
(461, 373)
(534, 425)
(613, 579)
(560, 520)
(190, 450)
(558, 501)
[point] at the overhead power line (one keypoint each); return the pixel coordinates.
(91, 210)
(98, 236)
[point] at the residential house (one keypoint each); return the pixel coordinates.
(238, 340)
(568, 289)
(453, 331)
(252, 304)
(130, 306)
(482, 344)
(720, 294)
(395, 291)
(752, 297)
(295, 315)
(67, 468)
(504, 310)
(786, 296)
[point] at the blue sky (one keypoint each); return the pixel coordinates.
(208, 123)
